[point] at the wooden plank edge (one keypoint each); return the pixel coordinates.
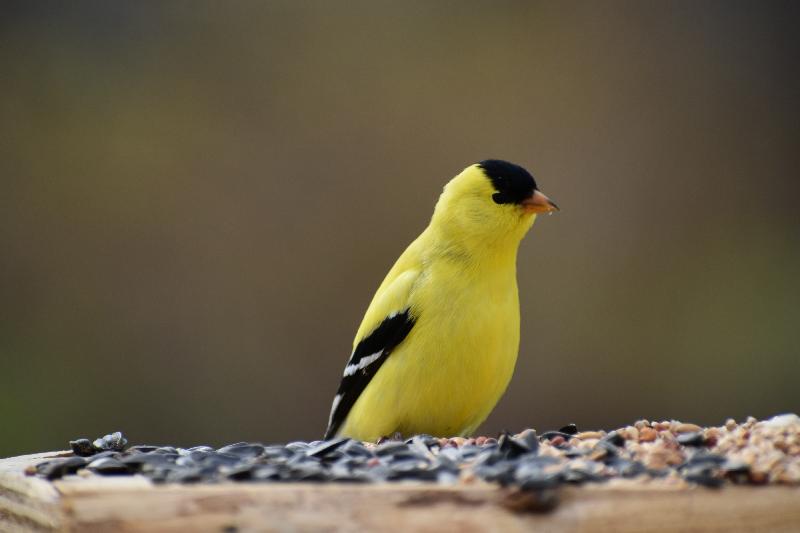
(28, 503)
(420, 507)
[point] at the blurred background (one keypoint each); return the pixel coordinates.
(198, 200)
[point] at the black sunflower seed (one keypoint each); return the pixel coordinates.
(326, 448)
(627, 468)
(569, 429)
(550, 435)
(511, 448)
(702, 457)
(82, 447)
(243, 450)
(143, 448)
(57, 468)
(614, 438)
(108, 466)
(391, 447)
(691, 439)
(705, 475)
(113, 441)
(529, 439)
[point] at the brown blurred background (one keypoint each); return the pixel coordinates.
(198, 200)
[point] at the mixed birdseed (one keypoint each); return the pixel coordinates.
(754, 452)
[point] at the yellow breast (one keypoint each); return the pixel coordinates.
(448, 374)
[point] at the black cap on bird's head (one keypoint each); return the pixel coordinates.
(515, 185)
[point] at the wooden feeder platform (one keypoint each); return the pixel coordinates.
(126, 504)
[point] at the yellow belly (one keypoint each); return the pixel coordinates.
(447, 375)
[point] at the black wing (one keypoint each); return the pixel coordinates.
(365, 362)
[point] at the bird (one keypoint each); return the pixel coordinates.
(438, 344)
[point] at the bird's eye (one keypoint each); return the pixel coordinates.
(504, 197)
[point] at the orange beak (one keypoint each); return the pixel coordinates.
(539, 203)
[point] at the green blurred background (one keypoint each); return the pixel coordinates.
(198, 200)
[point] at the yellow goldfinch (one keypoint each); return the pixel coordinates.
(438, 344)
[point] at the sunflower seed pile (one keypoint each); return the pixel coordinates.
(754, 452)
